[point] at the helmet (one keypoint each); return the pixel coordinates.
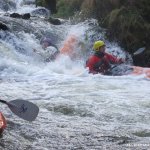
(98, 44)
(48, 40)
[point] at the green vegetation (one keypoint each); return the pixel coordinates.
(49, 4)
(41, 3)
(127, 26)
(67, 8)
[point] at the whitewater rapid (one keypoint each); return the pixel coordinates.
(77, 110)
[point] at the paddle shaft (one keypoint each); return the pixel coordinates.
(7, 103)
(2, 101)
(139, 51)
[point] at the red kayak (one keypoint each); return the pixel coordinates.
(123, 69)
(2, 123)
(141, 71)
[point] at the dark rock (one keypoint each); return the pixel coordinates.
(15, 15)
(54, 21)
(26, 16)
(3, 26)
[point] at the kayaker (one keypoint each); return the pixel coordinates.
(101, 61)
(50, 51)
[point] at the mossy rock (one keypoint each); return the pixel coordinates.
(54, 21)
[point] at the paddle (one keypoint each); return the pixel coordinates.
(139, 51)
(24, 109)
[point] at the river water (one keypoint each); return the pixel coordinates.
(78, 111)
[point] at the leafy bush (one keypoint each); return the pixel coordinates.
(67, 8)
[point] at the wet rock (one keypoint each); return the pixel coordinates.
(54, 21)
(18, 25)
(41, 12)
(24, 16)
(15, 15)
(3, 26)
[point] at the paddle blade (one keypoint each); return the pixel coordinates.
(24, 109)
(139, 51)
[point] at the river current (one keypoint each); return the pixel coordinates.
(78, 111)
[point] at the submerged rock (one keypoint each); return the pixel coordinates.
(54, 21)
(41, 12)
(26, 16)
(3, 26)
(15, 15)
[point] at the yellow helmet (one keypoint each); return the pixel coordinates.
(98, 44)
